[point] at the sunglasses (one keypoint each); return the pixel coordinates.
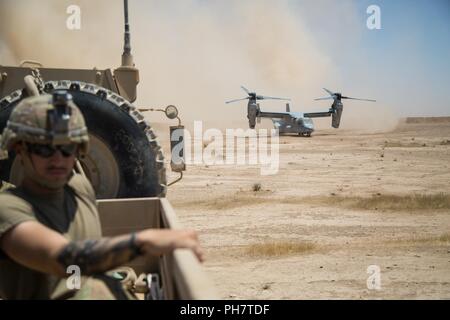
(46, 150)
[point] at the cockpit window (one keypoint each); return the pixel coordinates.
(307, 121)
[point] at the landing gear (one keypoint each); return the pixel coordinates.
(305, 134)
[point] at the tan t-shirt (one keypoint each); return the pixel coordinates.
(73, 213)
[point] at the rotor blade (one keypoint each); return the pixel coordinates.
(273, 98)
(325, 98)
(245, 89)
(331, 93)
(235, 100)
(359, 99)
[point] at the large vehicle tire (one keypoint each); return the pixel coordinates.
(124, 160)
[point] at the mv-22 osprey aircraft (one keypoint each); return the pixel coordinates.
(293, 122)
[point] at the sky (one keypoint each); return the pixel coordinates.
(197, 53)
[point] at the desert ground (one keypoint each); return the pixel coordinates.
(342, 201)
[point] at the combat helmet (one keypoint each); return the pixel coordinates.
(46, 119)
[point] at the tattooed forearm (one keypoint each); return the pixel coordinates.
(94, 256)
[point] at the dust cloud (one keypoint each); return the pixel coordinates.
(194, 54)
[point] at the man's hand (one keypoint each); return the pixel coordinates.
(158, 242)
(40, 248)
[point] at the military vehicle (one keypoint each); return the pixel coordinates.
(125, 163)
(294, 122)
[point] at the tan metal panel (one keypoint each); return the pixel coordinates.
(13, 77)
(136, 214)
(190, 280)
(121, 216)
(181, 273)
